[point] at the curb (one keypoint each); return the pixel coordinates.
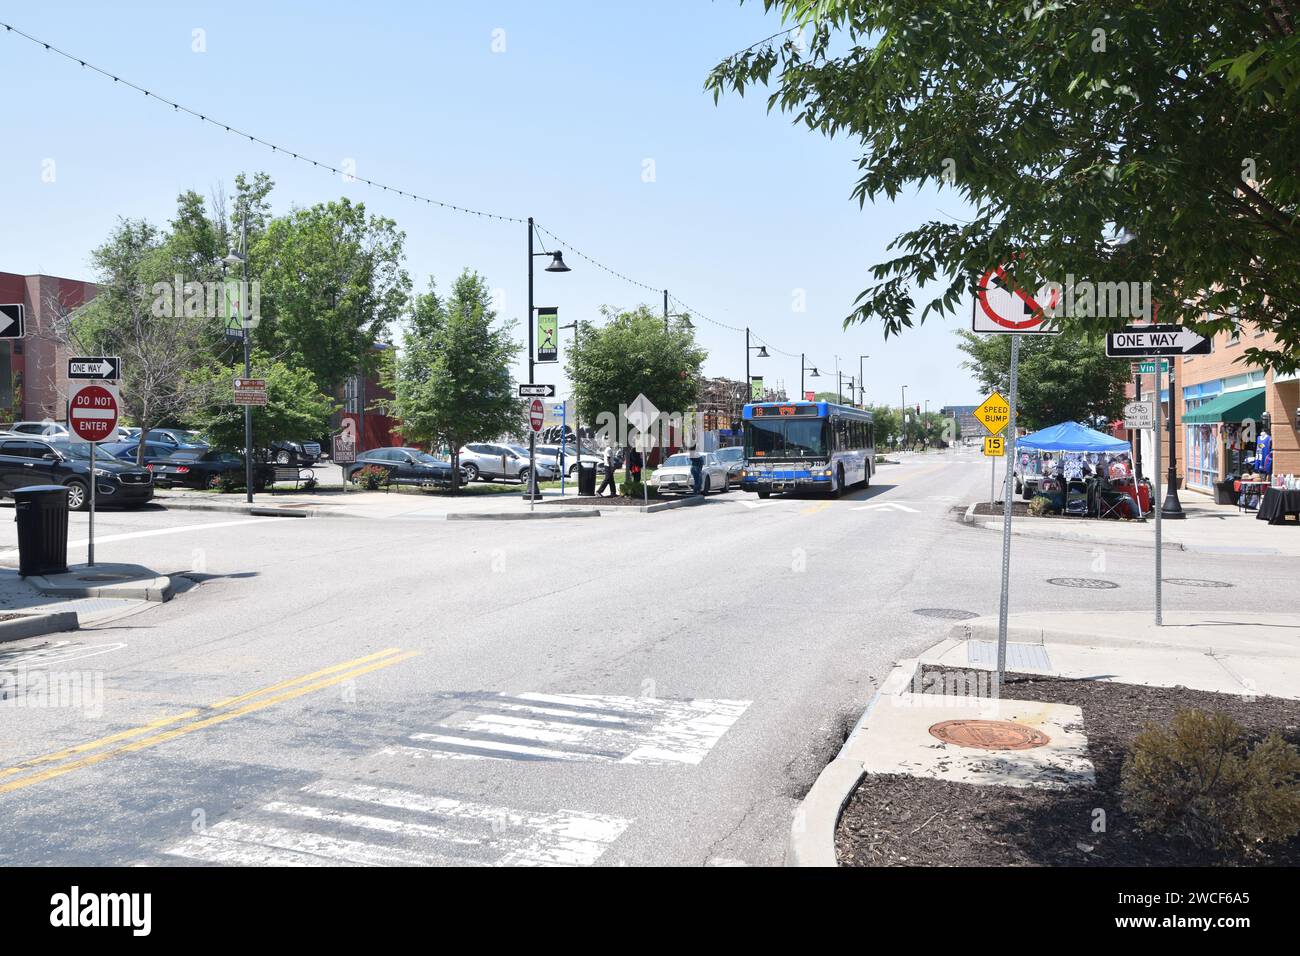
(152, 592)
(261, 511)
(670, 505)
(987, 523)
(34, 625)
(522, 515)
(812, 834)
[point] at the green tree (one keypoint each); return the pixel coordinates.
(1060, 377)
(452, 382)
(631, 354)
(332, 283)
(127, 319)
(1064, 125)
(295, 410)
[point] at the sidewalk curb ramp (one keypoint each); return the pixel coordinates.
(126, 581)
(812, 833)
(991, 523)
(36, 623)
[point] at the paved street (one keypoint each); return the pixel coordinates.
(634, 689)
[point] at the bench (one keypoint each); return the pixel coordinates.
(292, 473)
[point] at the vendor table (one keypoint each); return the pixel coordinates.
(1246, 490)
(1277, 503)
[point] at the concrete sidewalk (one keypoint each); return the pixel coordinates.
(1208, 528)
(1230, 652)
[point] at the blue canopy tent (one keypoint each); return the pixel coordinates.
(1071, 436)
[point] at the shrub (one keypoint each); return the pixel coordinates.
(1199, 779)
(1040, 505)
(370, 477)
(225, 484)
(635, 489)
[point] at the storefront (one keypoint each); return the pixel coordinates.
(1220, 429)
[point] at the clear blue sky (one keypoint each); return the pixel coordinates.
(745, 208)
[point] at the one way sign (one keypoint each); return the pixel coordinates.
(106, 368)
(11, 321)
(1155, 340)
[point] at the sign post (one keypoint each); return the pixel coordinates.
(993, 414)
(536, 415)
(92, 416)
(1155, 499)
(1005, 602)
(641, 414)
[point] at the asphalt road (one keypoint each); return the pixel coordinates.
(628, 690)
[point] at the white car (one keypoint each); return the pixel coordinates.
(675, 475)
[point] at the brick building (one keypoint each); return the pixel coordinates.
(33, 370)
(1222, 404)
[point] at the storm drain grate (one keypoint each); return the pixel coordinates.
(1095, 584)
(946, 613)
(1198, 583)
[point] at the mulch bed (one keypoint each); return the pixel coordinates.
(894, 820)
(1019, 509)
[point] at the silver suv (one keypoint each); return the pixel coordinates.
(502, 461)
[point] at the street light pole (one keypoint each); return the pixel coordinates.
(1172, 507)
(665, 310)
(862, 381)
(248, 363)
(557, 265)
(903, 421)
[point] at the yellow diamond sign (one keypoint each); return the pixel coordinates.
(995, 412)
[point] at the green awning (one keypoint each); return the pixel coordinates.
(1245, 405)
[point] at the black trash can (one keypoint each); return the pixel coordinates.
(42, 515)
(586, 478)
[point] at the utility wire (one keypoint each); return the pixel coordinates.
(276, 148)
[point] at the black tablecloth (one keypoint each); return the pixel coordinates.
(1277, 504)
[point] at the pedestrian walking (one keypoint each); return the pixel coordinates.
(697, 469)
(608, 482)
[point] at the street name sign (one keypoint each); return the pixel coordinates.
(12, 321)
(1140, 414)
(995, 446)
(536, 414)
(106, 368)
(1150, 341)
(536, 391)
(994, 413)
(250, 391)
(1149, 368)
(93, 411)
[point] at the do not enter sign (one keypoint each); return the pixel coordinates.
(536, 414)
(93, 411)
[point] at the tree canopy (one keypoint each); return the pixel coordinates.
(1169, 124)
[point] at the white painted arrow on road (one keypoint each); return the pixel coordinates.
(888, 506)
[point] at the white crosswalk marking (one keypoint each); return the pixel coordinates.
(576, 727)
(354, 824)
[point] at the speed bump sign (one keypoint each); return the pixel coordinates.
(994, 413)
(995, 447)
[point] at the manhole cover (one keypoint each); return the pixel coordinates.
(1096, 584)
(1197, 583)
(989, 734)
(948, 613)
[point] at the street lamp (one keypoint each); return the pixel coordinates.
(903, 420)
(804, 367)
(862, 381)
(1172, 507)
(232, 259)
(556, 265)
(762, 353)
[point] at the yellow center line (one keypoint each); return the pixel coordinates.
(25, 765)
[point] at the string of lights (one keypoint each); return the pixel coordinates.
(406, 193)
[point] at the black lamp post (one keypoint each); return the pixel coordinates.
(862, 381)
(804, 367)
(762, 353)
(1172, 507)
(241, 258)
(556, 265)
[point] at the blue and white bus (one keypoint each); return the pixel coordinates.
(807, 446)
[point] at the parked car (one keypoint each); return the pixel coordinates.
(550, 454)
(205, 467)
(305, 453)
(502, 461)
(126, 450)
(734, 459)
(45, 429)
(28, 460)
(675, 475)
(407, 466)
(177, 437)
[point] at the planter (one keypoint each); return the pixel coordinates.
(1224, 494)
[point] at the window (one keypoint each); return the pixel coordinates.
(24, 449)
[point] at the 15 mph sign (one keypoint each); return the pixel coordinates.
(1149, 341)
(93, 411)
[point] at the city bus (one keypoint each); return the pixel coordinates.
(806, 446)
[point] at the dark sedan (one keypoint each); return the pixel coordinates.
(34, 461)
(205, 468)
(126, 450)
(406, 466)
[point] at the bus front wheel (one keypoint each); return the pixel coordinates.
(764, 494)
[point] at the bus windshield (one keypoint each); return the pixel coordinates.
(785, 438)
